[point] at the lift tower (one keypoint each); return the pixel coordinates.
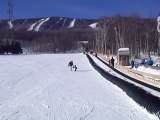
(10, 10)
(10, 33)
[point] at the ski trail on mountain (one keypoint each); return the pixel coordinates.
(34, 24)
(72, 23)
(40, 24)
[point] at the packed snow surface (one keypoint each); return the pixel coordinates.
(72, 23)
(42, 87)
(148, 70)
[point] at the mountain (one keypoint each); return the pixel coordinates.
(52, 34)
(47, 24)
(47, 35)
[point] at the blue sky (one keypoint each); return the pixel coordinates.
(80, 8)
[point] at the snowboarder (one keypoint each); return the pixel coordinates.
(112, 62)
(70, 64)
(132, 63)
(75, 67)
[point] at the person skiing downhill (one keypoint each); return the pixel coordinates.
(70, 64)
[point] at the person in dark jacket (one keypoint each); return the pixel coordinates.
(70, 64)
(112, 62)
(150, 62)
(132, 63)
(75, 67)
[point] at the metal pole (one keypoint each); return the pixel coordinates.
(158, 29)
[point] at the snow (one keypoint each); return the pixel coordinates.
(158, 19)
(109, 70)
(40, 24)
(83, 42)
(24, 22)
(42, 87)
(157, 61)
(72, 23)
(34, 24)
(148, 70)
(158, 26)
(123, 49)
(10, 24)
(93, 25)
(59, 20)
(64, 22)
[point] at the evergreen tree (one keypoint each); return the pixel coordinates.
(16, 48)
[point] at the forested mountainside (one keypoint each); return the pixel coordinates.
(46, 24)
(50, 34)
(138, 34)
(53, 34)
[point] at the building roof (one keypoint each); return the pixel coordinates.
(123, 49)
(84, 42)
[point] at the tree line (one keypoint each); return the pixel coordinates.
(12, 47)
(63, 40)
(138, 34)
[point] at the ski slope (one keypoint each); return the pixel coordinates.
(34, 25)
(72, 23)
(93, 25)
(42, 87)
(40, 24)
(10, 24)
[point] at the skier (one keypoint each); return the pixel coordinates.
(75, 67)
(112, 62)
(70, 64)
